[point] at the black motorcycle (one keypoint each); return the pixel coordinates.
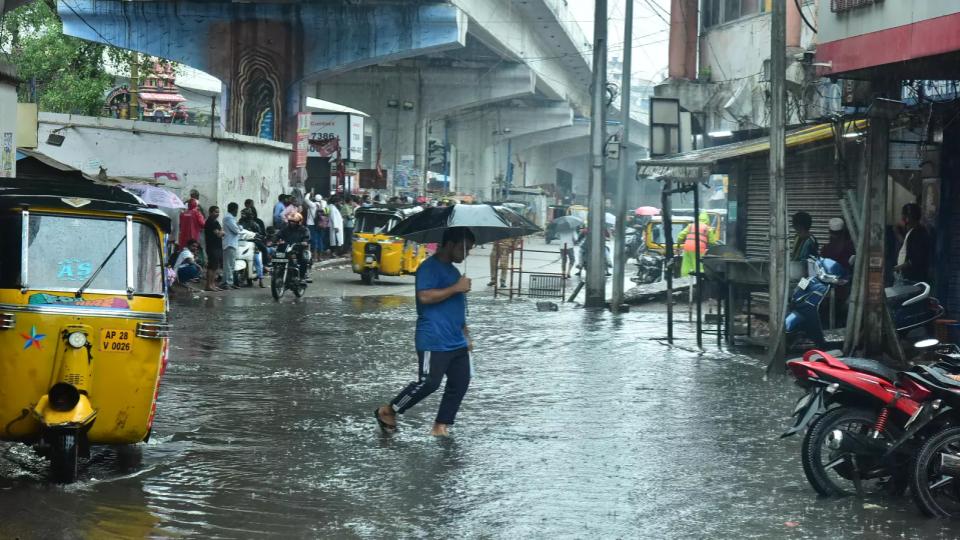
(285, 273)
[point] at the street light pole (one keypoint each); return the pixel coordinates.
(778, 196)
(597, 265)
(624, 169)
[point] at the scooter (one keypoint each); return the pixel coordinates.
(244, 270)
(804, 314)
(911, 305)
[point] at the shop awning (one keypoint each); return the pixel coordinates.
(158, 96)
(697, 164)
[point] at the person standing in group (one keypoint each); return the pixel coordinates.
(336, 227)
(500, 256)
(323, 227)
(840, 247)
(347, 210)
(804, 244)
(195, 196)
(213, 238)
(442, 337)
(249, 222)
(278, 210)
(231, 244)
(249, 205)
(312, 203)
(568, 258)
(191, 223)
(913, 258)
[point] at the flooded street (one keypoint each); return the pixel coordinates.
(577, 424)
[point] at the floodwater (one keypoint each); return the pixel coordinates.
(577, 424)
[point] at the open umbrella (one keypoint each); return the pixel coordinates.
(487, 223)
(157, 196)
(567, 223)
(647, 211)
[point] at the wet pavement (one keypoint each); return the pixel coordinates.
(578, 423)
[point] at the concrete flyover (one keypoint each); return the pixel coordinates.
(474, 74)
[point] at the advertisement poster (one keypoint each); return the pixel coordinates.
(356, 138)
(303, 139)
(326, 127)
(7, 158)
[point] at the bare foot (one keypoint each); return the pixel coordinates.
(389, 418)
(440, 430)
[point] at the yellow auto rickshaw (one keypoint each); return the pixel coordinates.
(655, 239)
(83, 317)
(376, 253)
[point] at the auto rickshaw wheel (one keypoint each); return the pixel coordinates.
(367, 277)
(64, 457)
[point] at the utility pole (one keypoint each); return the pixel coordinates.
(778, 195)
(597, 264)
(624, 169)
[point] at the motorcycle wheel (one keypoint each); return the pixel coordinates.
(299, 288)
(935, 491)
(367, 277)
(278, 282)
(836, 472)
(64, 458)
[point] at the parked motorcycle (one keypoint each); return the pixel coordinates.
(912, 308)
(285, 273)
(911, 305)
(855, 412)
(934, 430)
(649, 268)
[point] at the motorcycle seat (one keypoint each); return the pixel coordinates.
(871, 367)
(901, 293)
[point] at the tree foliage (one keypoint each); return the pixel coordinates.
(61, 73)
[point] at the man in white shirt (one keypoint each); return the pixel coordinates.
(186, 265)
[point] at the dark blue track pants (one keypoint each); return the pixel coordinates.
(457, 367)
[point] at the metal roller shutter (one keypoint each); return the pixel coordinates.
(810, 187)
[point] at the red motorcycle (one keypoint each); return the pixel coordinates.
(857, 411)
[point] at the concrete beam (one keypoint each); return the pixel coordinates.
(324, 37)
(526, 120)
(450, 90)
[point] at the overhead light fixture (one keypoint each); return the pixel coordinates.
(408, 105)
(393, 103)
(720, 134)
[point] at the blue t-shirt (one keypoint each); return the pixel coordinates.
(440, 326)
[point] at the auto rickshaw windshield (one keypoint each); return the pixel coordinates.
(64, 252)
(373, 223)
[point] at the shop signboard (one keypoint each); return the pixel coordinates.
(347, 128)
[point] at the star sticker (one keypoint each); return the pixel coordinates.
(33, 339)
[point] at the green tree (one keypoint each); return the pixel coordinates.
(61, 73)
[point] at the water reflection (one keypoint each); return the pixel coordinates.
(576, 424)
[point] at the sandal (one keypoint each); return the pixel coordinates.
(387, 428)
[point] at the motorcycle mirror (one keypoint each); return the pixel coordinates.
(926, 343)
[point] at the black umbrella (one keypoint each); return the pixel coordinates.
(488, 223)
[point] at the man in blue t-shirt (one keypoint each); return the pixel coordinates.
(442, 339)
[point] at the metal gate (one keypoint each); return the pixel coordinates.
(810, 187)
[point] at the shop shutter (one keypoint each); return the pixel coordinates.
(810, 187)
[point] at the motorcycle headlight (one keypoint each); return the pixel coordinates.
(77, 339)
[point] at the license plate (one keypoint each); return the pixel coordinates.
(369, 259)
(116, 340)
(280, 255)
(802, 402)
(804, 283)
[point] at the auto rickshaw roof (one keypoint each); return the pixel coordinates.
(74, 194)
(401, 210)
